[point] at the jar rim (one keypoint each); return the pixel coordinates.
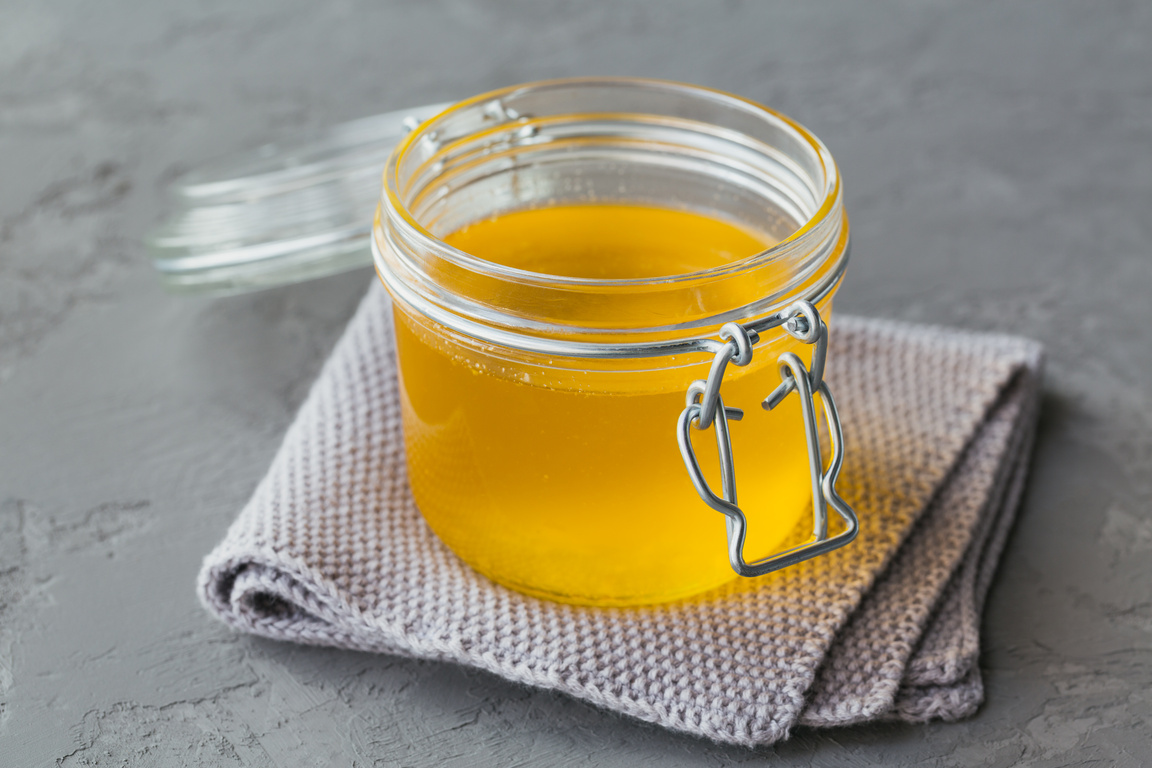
(390, 197)
(456, 165)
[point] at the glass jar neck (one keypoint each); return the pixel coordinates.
(607, 142)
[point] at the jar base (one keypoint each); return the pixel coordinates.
(610, 601)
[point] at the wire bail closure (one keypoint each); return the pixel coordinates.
(705, 408)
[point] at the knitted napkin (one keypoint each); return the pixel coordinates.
(331, 550)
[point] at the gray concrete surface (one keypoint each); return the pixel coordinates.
(998, 161)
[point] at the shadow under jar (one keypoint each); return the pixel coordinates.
(540, 395)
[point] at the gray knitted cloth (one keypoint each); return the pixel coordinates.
(331, 550)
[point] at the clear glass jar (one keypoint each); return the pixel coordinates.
(540, 411)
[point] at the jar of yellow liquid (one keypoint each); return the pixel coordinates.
(592, 281)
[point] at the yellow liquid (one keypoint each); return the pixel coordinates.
(563, 479)
(607, 242)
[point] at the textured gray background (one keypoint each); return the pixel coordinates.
(998, 162)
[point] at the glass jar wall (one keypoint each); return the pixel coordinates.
(539, 421)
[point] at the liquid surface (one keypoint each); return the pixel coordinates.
(563, 479)
(607, 242)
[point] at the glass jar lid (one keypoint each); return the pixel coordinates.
(280, 214)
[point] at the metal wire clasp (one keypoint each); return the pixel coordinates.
(704, 408)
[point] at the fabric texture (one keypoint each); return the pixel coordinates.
(938, 425)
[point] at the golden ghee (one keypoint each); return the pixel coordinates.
(562, 478)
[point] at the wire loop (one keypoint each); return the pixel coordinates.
(703, 406)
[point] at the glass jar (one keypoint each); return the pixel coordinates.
(540, 410)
